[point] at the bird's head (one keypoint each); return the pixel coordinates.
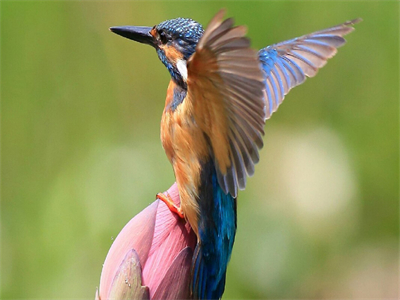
(174, 40)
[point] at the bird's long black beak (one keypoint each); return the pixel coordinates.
(139, 34)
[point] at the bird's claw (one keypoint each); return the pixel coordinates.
(170, 203)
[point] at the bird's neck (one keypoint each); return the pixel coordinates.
(173, 70)
(175, 96)
(177, 78)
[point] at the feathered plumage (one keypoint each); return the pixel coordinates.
(220, 94)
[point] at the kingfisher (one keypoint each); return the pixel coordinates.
(220, 94)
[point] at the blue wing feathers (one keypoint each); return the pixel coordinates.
(287, 64)
(274, 90)
(279, 79)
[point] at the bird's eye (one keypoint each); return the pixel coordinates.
(163, 37)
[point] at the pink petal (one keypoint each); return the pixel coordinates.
(127, 283)
(166, 221)
(138, 235)
(171, 235)
(175, 284)
(174, 194)
(162, 243)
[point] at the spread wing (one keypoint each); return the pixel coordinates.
(225, 91)
(286, 65)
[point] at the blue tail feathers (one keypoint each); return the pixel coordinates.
(217, 228)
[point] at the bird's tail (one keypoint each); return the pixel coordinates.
(217, 228)
(205, 286)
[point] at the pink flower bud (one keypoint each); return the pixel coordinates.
(151, 256)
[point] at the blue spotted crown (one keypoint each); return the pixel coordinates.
(185, 33)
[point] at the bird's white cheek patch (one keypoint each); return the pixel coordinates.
(182, 68)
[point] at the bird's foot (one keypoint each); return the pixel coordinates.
(166, 198)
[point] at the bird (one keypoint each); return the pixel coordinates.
(220, 94)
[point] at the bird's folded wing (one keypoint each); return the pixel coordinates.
(287, 64)
(225, 92)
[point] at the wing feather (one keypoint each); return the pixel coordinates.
(287, 64)
(226, 24)
(228, 36)
(225, 91)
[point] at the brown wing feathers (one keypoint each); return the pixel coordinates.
(225, 84)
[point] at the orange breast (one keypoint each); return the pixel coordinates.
(186, 148)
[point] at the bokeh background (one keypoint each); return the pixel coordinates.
(81, 154)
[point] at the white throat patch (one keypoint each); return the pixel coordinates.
(182, 68)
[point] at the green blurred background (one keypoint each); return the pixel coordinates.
(81, 153)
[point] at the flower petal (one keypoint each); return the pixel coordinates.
(138, 235)
(171, 235)
(175, 284)
(127, 283)
(174, 194)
